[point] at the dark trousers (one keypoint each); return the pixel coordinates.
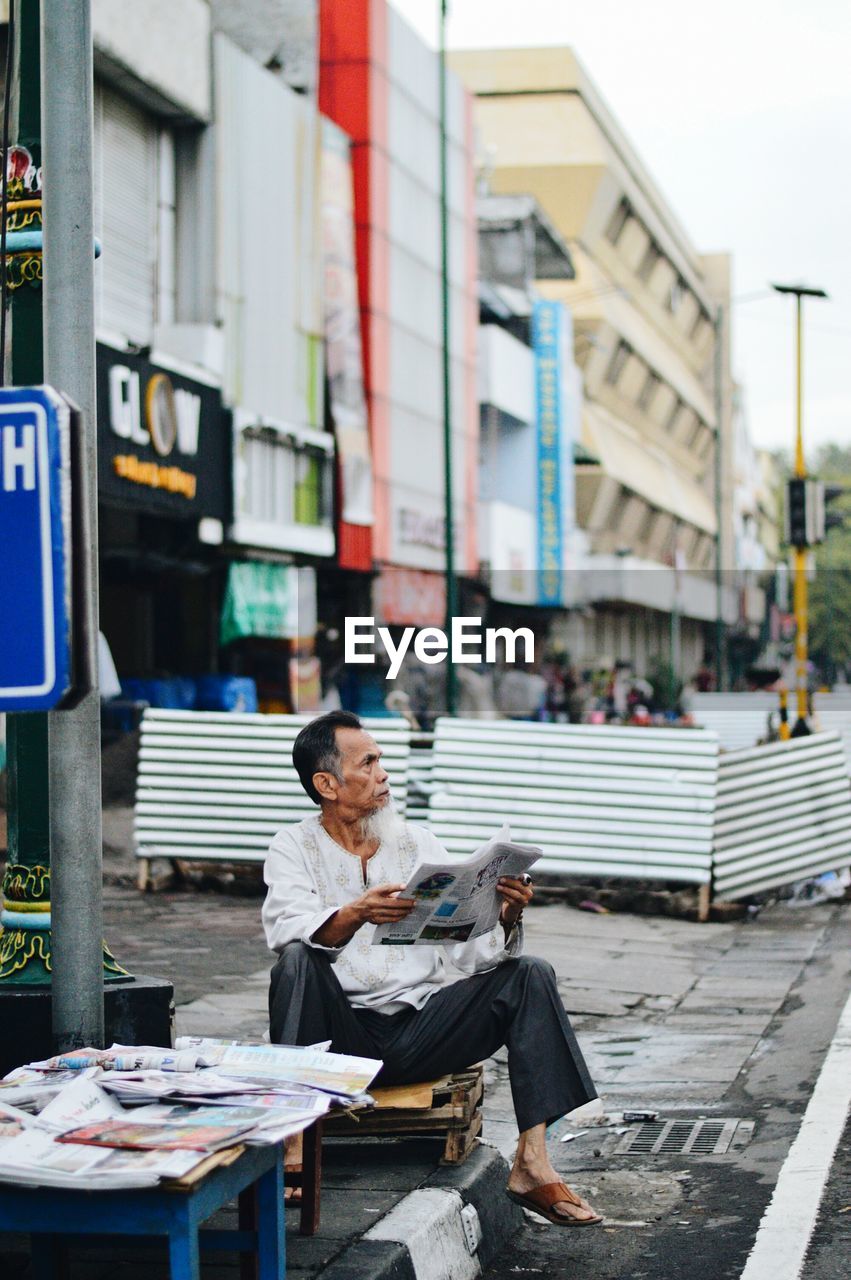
(516, 1004)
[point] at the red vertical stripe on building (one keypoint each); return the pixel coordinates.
(353, 93)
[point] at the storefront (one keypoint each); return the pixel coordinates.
(163, 479)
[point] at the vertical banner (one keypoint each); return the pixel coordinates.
(344, 363)
(547, 319)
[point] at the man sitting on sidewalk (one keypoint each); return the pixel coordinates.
(335, 876)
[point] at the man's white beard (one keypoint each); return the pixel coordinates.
(384, 824)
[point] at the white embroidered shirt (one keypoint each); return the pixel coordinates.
(310, 876)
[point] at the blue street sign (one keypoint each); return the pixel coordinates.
(35, 550)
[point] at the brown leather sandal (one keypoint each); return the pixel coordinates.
(542, 1199)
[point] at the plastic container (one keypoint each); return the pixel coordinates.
(226, 693)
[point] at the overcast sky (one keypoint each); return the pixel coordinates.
(742, 112)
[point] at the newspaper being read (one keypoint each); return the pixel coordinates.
(458, 901)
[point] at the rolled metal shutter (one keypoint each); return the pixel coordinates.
(126, 195)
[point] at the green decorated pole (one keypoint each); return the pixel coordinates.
(25, 941)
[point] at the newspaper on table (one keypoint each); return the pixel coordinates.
(25, 1087)
(77, 1103)
(35, 1159)
(13, 1121)
(457, 901)
(131, 1136)
(71, 1129)
(336, 1073)
(268, 1124)
(120, 1057)
(181, 1086)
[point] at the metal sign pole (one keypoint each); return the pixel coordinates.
(69, 347)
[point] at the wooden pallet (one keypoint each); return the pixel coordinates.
(450, 1108)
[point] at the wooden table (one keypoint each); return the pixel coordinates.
(174, 1209)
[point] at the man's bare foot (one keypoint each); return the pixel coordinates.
(293, 1157)
(528, 1176)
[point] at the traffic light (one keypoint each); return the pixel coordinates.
(834, 519)
(807, 520)
(796, 513)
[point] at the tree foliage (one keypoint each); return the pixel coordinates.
(830, 593)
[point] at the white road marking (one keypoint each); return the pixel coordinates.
(784, 1233)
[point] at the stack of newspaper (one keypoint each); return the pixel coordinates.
(132, 1116)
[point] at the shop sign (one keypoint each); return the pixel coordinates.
(162, 440)
(421, 530)
(410, 597)
(35, 518)
(547, 320)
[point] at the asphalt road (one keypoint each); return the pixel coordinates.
(678, 1216)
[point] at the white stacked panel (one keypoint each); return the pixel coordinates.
(832, 714)
(600, 800)
(217, 786)
(420, 782)
(783, 813)
(739, 719)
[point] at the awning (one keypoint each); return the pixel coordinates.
(277, 601)
(645, 469)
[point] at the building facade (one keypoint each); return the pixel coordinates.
(380, 84)
(644, 311)
(217, 464)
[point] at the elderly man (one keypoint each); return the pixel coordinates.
(331, 879)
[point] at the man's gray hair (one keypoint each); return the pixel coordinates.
(315, 749)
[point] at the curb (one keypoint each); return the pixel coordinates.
(424, 1237)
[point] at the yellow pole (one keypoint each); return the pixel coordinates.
(800, 554)
(801, 727)
(783, 730)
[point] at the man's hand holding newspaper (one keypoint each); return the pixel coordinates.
(460, 901)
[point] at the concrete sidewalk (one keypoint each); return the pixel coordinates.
(670, 1014)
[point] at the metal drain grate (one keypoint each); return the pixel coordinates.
(685, 1137)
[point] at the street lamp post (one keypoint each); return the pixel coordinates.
(801, 728)
(451, 583)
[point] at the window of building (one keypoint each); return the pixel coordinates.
(618, 362)
(283, 483)
(618, 221)
(648, 392)
(674, 414)
(697, 434)
(652, 255)
(308, 488)
(677, 294)
(701, 323)
(645, 533)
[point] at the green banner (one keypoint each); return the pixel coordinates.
(260, 600)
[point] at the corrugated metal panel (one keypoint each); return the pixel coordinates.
(783, 813)
(600, 800)
(739, 719)
(215, 786)
(832, 714)
(420, 777)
